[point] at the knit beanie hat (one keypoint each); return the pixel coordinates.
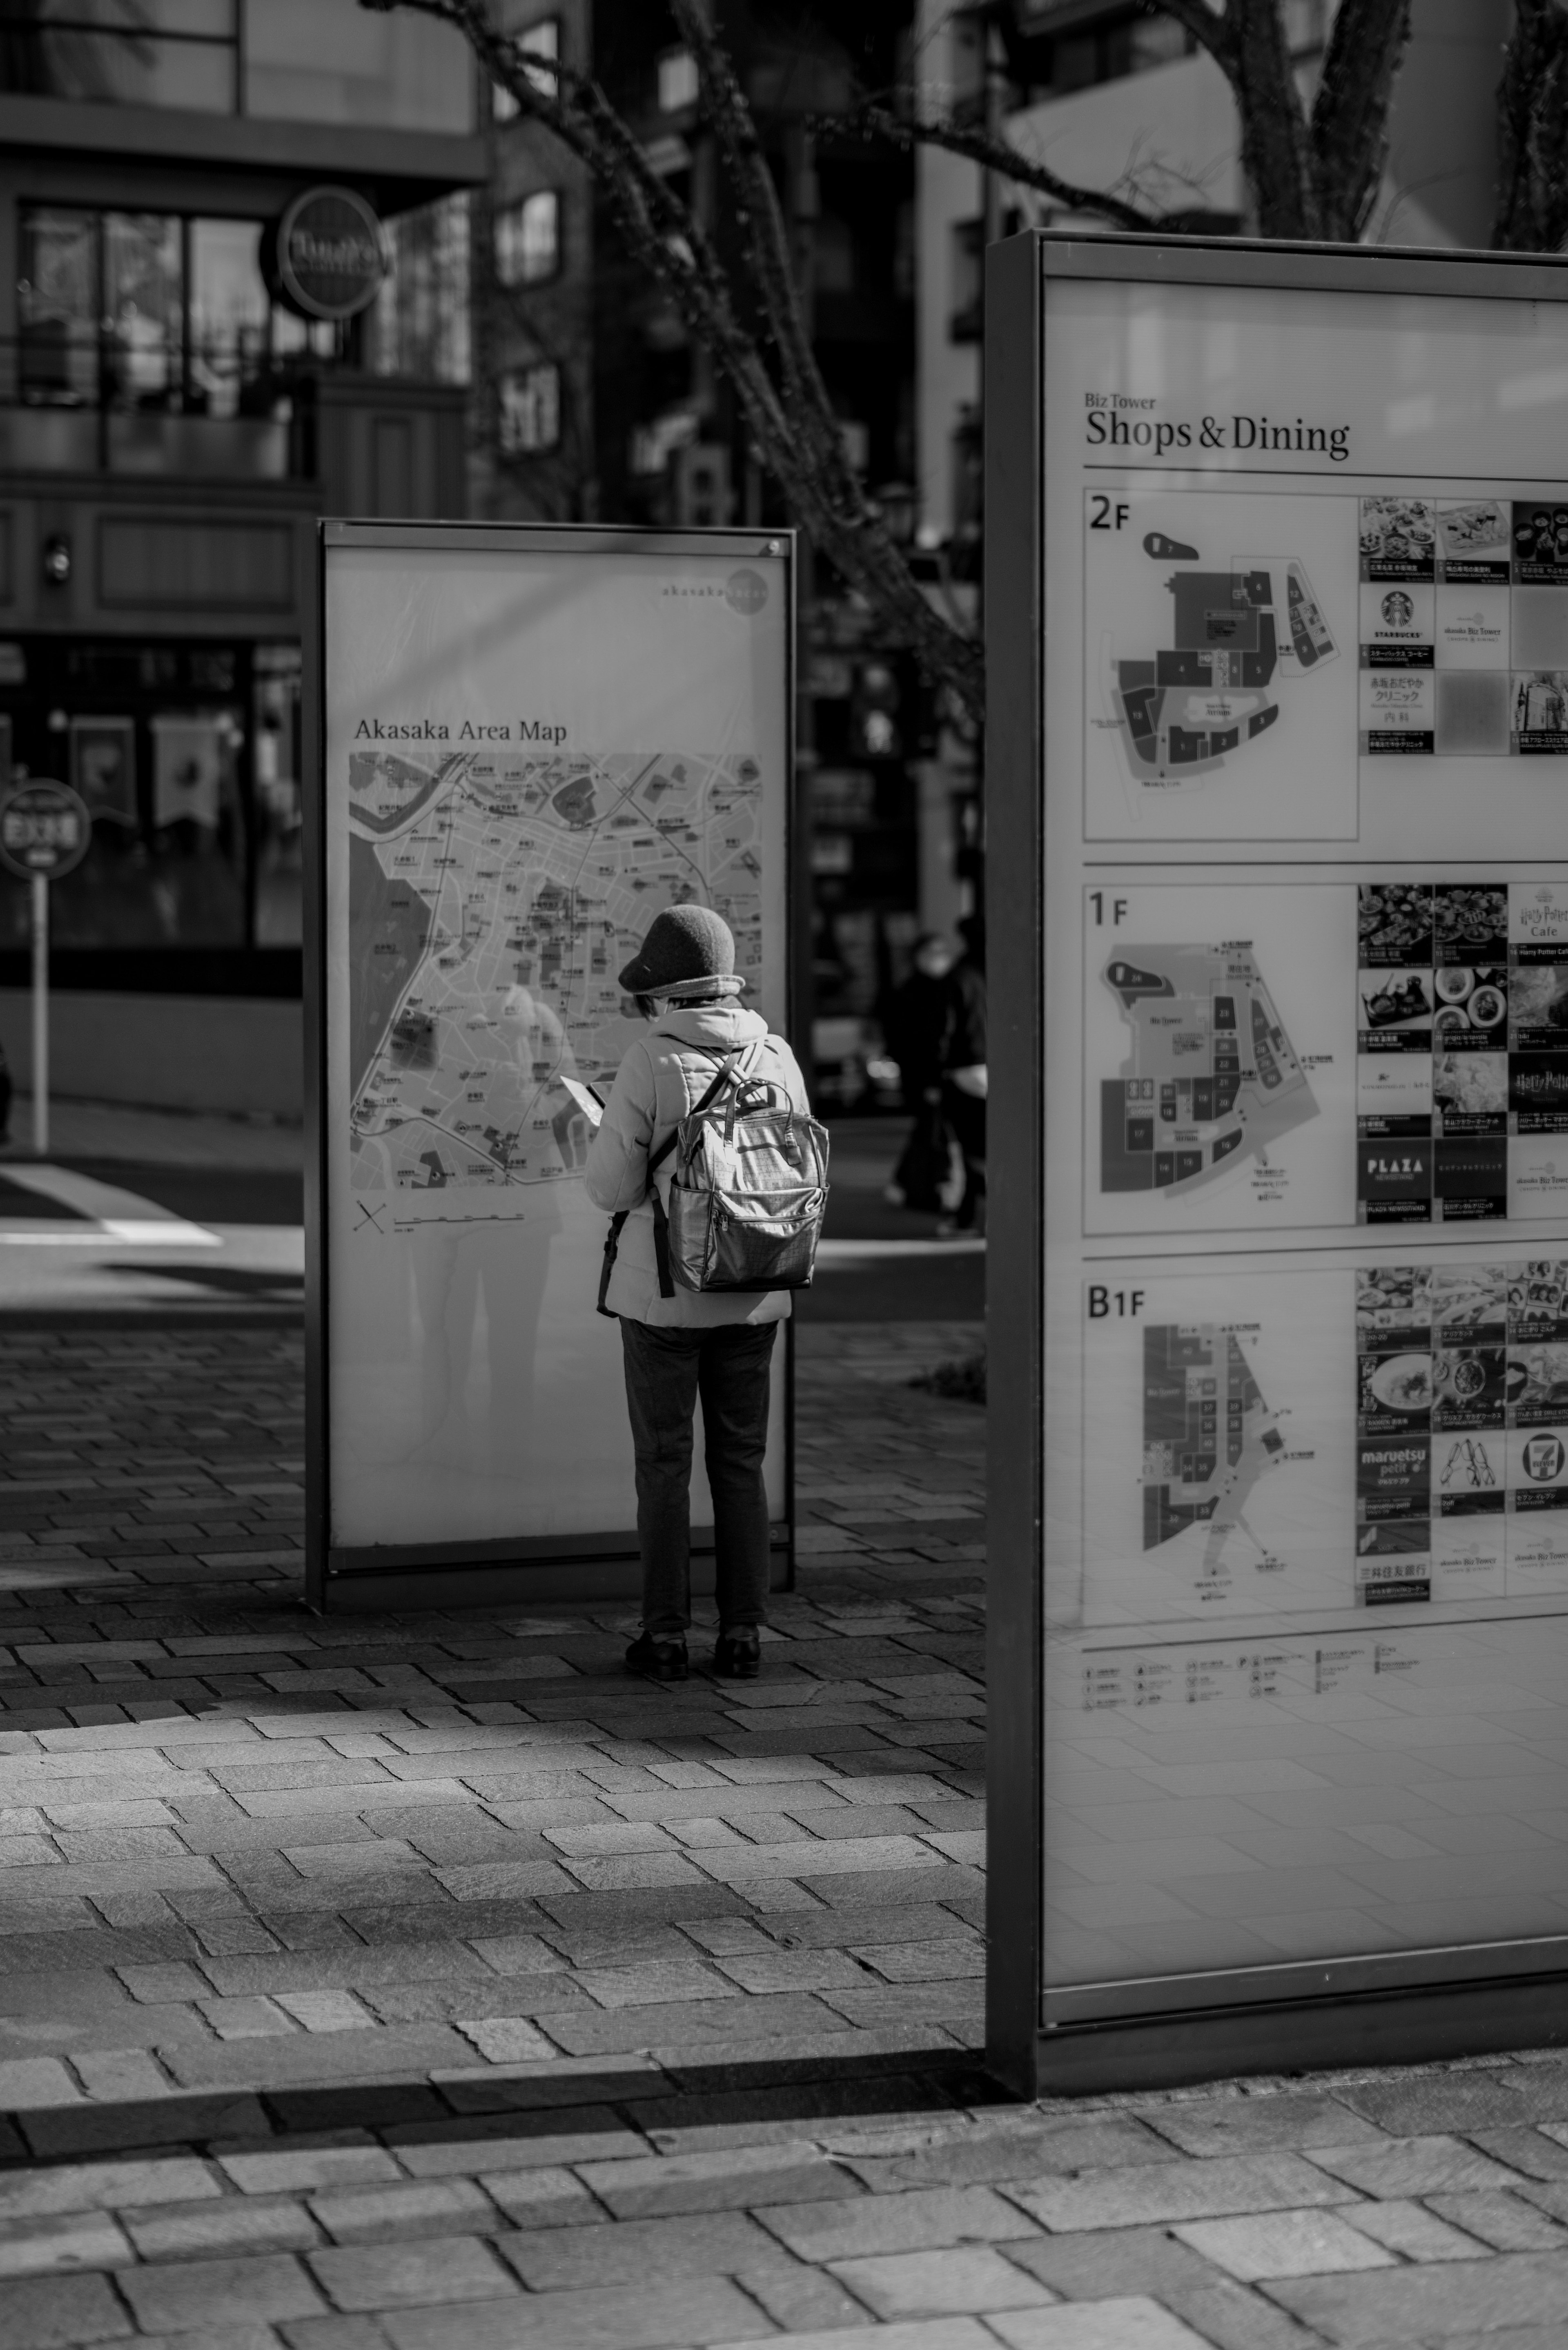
(689, 949)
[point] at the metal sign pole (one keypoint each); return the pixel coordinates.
(46, 830)
(40, 1015)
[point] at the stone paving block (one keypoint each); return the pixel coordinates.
(71, 2240)
(50, 2312)
(1125, 2323)
(670, 2316)
(918, 2221)
(105, 2186)
(1505, 2221)
(319, 2333)
(730, 2179)
(276, 2171)
(505, 2039)
(515, 2142)
(311, 2056)
(1405, 2304)
(1283, 2243)
(715, 2243)
(802, 2300)
(246, 2019)
(411, 2208)
(985, 2152)
(661, 1979)
(689, 2022)
(776, 1970)
(88, 2129)
(36, 2081)
(545, 2197)
(233, 2335)
(919, 1962)
(179, 2296)
(1193, 2189)
(964, 2279)
(917, 2334)
(1435, 2104)
(400, 2276)
(1233, 2124)
(236, 2224)
(1534, 2151)
(1414, 2166)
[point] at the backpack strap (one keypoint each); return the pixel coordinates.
(660, 1221)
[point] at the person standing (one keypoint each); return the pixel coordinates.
(919, 1013)
(964, 1072)
(713, 1345)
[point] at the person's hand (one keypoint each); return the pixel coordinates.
(971, 1081)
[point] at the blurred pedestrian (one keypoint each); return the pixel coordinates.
(716, 1345)
(963, 1089)
(929, 1177)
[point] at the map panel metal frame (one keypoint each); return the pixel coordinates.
(475, 1572)
(1408, 2005)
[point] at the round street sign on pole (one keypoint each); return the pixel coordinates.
(46, 830)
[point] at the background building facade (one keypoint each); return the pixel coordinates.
(171, 427)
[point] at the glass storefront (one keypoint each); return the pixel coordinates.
(188, 755)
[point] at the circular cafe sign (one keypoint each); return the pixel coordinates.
(328, 254)
(44, 830)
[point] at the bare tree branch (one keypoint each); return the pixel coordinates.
(1349, 128)
(993, 155)
(793, 427)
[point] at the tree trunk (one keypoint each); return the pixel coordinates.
(1532, 132)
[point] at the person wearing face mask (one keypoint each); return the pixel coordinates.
(712, 1345)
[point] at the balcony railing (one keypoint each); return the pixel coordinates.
(72, 401)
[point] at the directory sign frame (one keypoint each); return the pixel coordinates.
(1277, 763)
(529, 739)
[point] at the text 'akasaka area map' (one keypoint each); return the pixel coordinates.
(1212, 1078)
(492, 899)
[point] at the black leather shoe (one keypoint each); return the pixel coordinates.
(658, 1660)
(738, 1657)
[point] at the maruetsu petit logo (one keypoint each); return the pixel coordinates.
(1117, 421)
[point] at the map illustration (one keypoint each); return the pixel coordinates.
(1220, 695)
(1212, 1078)
(1207, 1437)
(492, 898)
(1210, 689)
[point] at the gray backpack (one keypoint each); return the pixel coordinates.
(748, 1193)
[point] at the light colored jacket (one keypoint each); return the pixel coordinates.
(664, 1076)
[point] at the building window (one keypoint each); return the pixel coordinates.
(528, 239)
(172, 53)
(422, 313)
(1125, 42)
(152, 312)
(678, 84)
(530, 416)
(290, 60)
(541, 40)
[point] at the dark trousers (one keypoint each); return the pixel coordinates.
(966, 1116)
(666, 1370)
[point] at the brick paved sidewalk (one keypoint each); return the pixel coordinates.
(390, 1985)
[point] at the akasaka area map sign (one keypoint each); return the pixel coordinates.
(533, 740)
